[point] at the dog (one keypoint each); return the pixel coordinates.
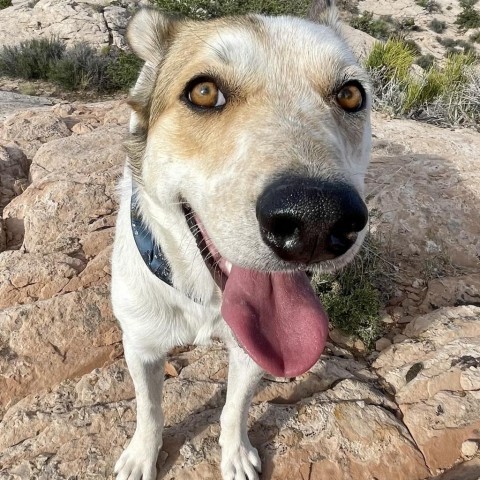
(249, 141)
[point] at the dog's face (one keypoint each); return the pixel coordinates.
(261, 125)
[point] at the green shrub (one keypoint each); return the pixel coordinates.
(123, 69)
(467, 3)
(394, 58)
(425, 61)
(449, 94)
(429, 5)
(468, 18)
(77, 68)
(31, 59)
(5, 4)
(203, 9)
(377, 28)
(437, 26)
(353, 296)
(81, 67)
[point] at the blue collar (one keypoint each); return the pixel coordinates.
(150, 250)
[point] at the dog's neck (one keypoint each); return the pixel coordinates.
(149, 248)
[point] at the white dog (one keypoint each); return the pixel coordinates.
(250, 137)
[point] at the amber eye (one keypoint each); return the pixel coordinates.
(351, 97)
(206, 94)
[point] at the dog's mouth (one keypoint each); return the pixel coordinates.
(275, 316)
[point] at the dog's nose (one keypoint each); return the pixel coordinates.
(307, 220)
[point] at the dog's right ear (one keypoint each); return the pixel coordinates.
(149, 33)
(325, 12)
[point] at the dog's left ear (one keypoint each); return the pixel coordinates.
(326, 13)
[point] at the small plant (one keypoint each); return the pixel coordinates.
(81, 68)
(429, 5)
(31, 59)
(449, 93)
(353, 296)
(5, 4)
(203, 9)
(469, 17)
(394, 59)
(123, 69)
(377, 28)
(437, 26)
(425, 61)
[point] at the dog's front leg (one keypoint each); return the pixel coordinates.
(240, 459)
(140, 457)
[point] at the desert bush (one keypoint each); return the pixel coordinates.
(429, 5)
(123, 69)
(425, 61)
(437, 26)
(30, 59)
(378, 28)
(354, 295)
(469, 17)
(5, 4)
(78, 68)
(394, 59)
(81, 68)
(446, 92)
(203, 9)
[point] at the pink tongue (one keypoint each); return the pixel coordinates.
(277, 318)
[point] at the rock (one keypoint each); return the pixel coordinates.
(3, 237)
(57, 209)
(318, 434)
(28, 277)
(45, 342)
(99, 25)
(382, 343)
(435, 375)
(469, 449)
(360, 42)
(465, 471)
(13, 173)
(11, 102)
(446, 291)
(31, 129)
(411, 167)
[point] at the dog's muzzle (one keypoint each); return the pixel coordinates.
(306, 220)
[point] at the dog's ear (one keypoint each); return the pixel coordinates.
(149, 33)
(325, 12)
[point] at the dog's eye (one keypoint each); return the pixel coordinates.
(206, 94)
(351, 97)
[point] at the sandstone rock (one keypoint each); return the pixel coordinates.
(465, 471)
(413, 180)
(73, 186)
(28, 277)
(3, 237)
(382, 343)
(85, 424)
(11, 102)
(13, 173)
(436, 379)
(48, 341)
(443, 292)
(31, 129)
(360, 42)
(99, 25)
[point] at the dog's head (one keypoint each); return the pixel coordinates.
(260, 126)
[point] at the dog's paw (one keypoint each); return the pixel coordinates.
(240, 462)
(137, 462)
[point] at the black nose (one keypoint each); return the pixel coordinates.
(307, 220)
